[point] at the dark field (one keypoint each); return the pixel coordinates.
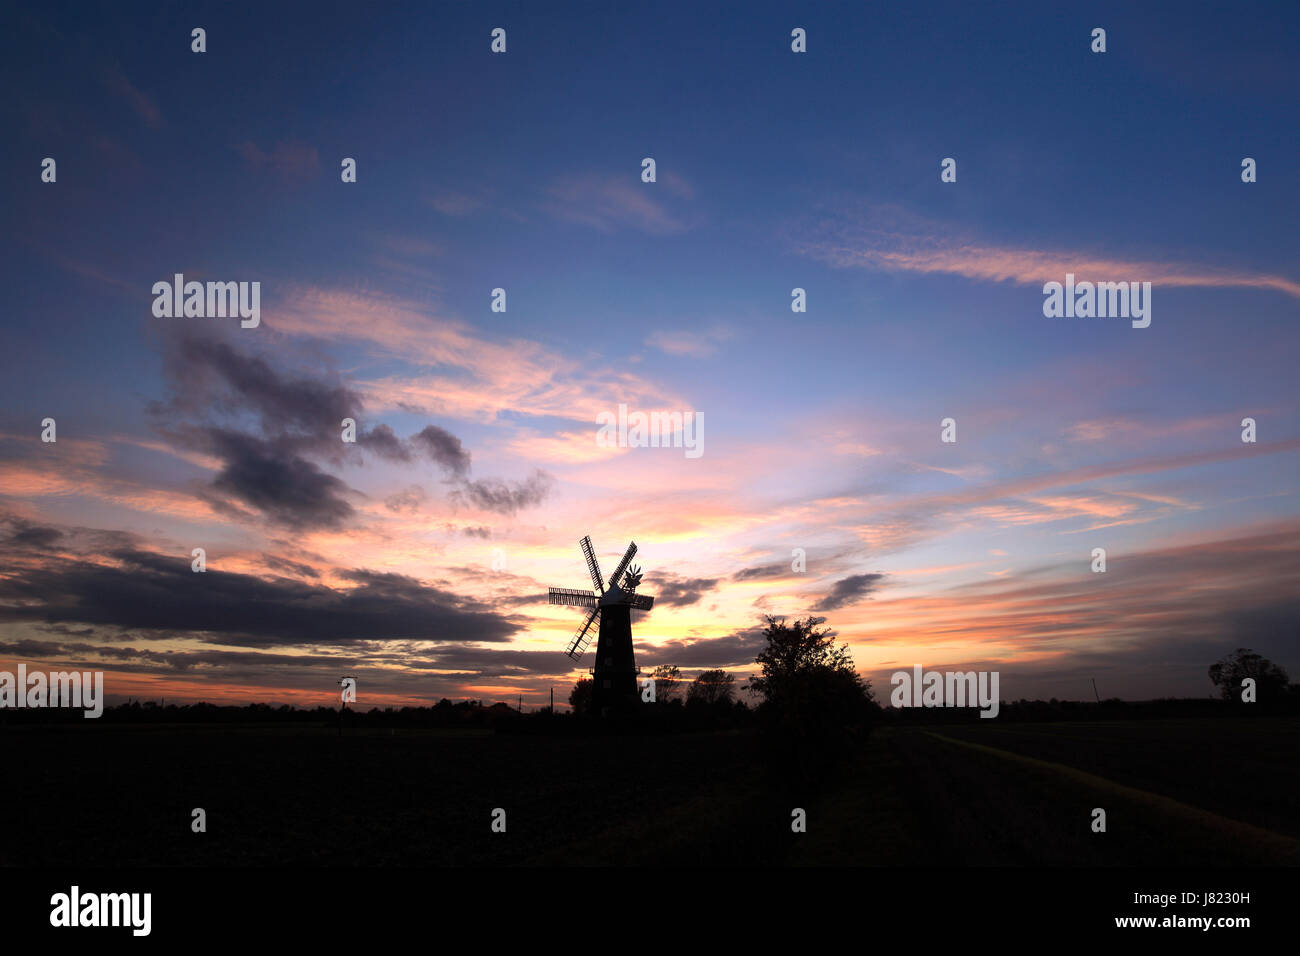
(1177, 792)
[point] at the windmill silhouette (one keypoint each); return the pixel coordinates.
(614, 677)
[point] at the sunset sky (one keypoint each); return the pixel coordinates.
(477, 429)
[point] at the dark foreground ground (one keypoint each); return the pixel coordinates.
(1191, 792)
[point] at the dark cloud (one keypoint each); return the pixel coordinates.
(168, 660)
(735, 650)
(161, 594)
(383, 442)
(213, 382)
(68, 631)
(679, 592)
(494, 494)
(475, 663)
(271, 429)
(762, 572)
(408, 499)
(279, 562)
(847, 590)
(21, 534)
(458, 663)
(286, 488)
(444, 448)
(265, 426)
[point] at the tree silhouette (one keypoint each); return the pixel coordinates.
(668, 679)
(712, 688)
(809, 686)
(580, 698)
(801, 650)
(1228, 672)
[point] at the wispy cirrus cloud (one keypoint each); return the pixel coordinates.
(1072, 477)
(688, 342)
(143, 104)
(1218, 593)
(895, 242)
(77, 470)
(565, 447)
(463, 374)
(453, 203)
(288, 159)
(1133, 430)
(1050, 496)
(612, 202)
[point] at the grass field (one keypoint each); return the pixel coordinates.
(1176, 792)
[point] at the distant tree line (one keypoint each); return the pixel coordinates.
(446, 713)
(807, 689)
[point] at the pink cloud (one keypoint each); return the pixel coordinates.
(464, 375)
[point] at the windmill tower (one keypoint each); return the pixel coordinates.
(614, 676)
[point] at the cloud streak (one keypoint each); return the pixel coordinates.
(857, 244)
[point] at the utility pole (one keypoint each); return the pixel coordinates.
(552, 701)
(1094, 690)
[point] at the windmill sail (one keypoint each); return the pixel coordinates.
(592, 566)
(622, 565)
(572, 597)
(583, 637)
